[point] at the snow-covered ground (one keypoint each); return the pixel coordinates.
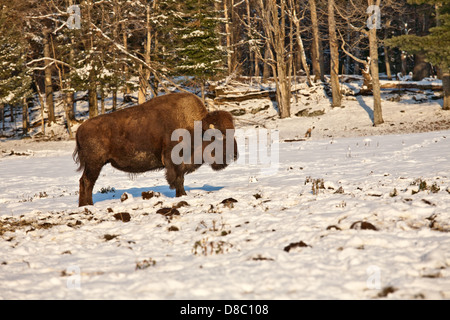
(349, 214)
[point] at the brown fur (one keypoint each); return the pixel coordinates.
(138, 139)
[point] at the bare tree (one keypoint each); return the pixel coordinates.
(294, 16)
(48, 78)
(373, 44)
(273, 14)
(361, 15)
(70, 95)
(144, 73)
(90, 48)
(226, 11)
(334, 56)
(315, 50)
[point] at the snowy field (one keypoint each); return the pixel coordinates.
(342, 217)
(373, 229)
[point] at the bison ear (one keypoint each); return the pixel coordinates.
(209, 120)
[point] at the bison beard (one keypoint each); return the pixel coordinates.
(138, 139)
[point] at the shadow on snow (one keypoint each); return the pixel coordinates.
(137, 192)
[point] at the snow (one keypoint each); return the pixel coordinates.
(194, 34)
(371, 230)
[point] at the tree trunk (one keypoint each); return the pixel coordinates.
(92, 94)
(291, 70)
(144, 73)
(446, 85)
(202, 90)
(284, 88)
(48, 79)
(114, 100)
(322, 62)
(373, 44)
(70, 96)
(25, 117)
(387, 58)
(41, 102)
(228, 35)
(142, 86)
(235, 38)
(127, 89)
(25, 122)
(102, 100)
(154, 80)
(318, 73)
(334, 57)
(280, 68)
(300, 42)
(422, 68)
(92, 86)
(266, 67)
(254, 70)
(303, 56)
(12, 117)
(387, 63)
(403, 57)
(2, 116)
(257, 70)
(115, 85)
(70, 102)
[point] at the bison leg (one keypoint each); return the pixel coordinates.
(179, 186)
(87, 182)
(175, 178)
(177, 183)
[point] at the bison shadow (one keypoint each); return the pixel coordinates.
(137, 192)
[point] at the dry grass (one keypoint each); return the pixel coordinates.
(12, 224)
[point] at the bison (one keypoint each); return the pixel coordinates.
(140, 139)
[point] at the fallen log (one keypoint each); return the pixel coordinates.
(411, 85)
(223, 97)
(236, 97)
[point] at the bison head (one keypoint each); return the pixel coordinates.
(219, 146)
(212, 143)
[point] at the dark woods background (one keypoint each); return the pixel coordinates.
(52, 56)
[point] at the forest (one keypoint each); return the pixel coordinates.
(59, 52)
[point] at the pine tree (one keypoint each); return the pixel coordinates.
(435, 46)
(15, 82)
(96, 63)
(197, 45)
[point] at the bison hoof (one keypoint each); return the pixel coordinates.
(181, 193)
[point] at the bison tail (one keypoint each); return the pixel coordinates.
(76, 157)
